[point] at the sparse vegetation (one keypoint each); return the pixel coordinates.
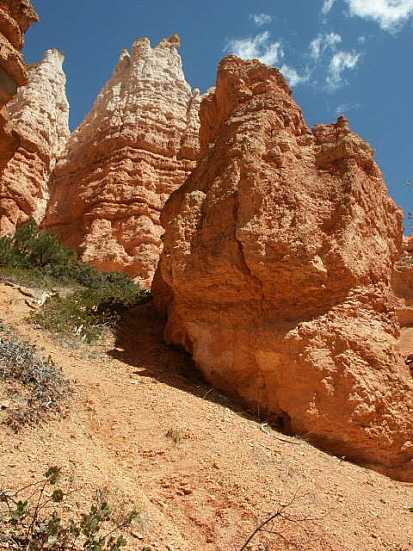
(275, 524)
(174, 435)
(97, 299)
(33, 249)
(88, 312)
(30, 520)
(36, 388)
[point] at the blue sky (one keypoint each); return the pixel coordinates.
(340, 56)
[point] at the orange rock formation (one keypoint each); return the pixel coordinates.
(15, 18)
(39, 113)
(275, 274)
(137, 145)
(402, 284)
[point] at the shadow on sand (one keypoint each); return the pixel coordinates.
(139, 343)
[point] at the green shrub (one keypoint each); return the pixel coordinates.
(99, 298)
(42, 254)
(39, 255)
(30, 521)
(87, 312)
(27, 277)
(7, 252)
(31, 247)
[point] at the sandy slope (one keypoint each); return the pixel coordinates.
(200, 472)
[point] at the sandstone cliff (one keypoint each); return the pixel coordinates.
(276, 269)
(39, 113)
(137, 145)
(15, 18)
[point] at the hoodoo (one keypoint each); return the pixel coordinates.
(276, 269)
(15, 18)
(39, 114)
(137, 145)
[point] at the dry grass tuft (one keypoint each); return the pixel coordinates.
(37, 391)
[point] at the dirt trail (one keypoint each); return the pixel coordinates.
(200, 473)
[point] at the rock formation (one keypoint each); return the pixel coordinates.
(39, 113)
(15, 18)
(276, 269)
(402, 284)
(137, 145)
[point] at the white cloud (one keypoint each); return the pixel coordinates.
(323, 42)
(292, 76)
(261, 19)
(272, 54)
(325, 64)
(315, 48)
(327, 5)
(328, 63)
(345, 107)
(258, 47)
(340, 62)
(389, 14)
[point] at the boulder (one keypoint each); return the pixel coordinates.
(276, 270)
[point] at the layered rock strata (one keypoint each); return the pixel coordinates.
(39, 113)
(137, 145)
(275, 274)
(15, 18)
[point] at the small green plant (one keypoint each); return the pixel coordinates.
(30, 521)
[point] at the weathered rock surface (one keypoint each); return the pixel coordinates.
(402, 284)
(15, 18)
(39, 113)
(276, 269)
(137, 145)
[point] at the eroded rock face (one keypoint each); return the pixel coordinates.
(15, 18)
(402, 284)
(137, 145)
(40, 115)
(276, 269)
